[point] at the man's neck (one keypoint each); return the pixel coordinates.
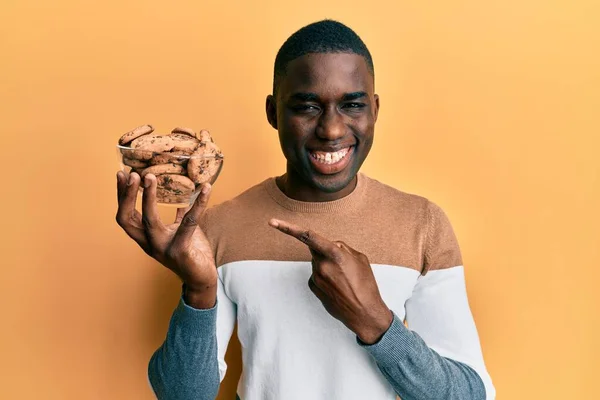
(295, 188)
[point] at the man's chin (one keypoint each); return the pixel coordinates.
(332, 183)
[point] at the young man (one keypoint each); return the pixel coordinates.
(318, 317)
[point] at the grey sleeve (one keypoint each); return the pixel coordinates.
(440, 356)
(419, 373)
(190, 364)
(186, 365)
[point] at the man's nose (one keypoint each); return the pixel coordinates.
(331, 125)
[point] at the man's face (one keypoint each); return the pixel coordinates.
(325, 112)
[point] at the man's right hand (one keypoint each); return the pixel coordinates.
(181, 246)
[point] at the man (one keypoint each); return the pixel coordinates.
(317, 318)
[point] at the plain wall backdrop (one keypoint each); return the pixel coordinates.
(488, 108)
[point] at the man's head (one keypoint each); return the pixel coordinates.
(325, 36)
(324, 105)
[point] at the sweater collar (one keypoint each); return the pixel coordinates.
(346, 203)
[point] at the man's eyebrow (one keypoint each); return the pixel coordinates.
(305, 96)
(354, 96)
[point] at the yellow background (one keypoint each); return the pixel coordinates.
(489, 108)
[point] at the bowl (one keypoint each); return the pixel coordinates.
(180, 177)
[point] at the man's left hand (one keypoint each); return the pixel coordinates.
(343, 280)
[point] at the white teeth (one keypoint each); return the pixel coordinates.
(330, 158)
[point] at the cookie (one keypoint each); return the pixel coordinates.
(173, 157)
(204, 163)
(175, 185)
(204, 136)
(167, 197)
(133, 163)
(184, 142)
(141, 155)
(153, 143)
(208, 149)
(185, 131)
(136, 154)
(164, 169)
(135, 133)
(210, 168)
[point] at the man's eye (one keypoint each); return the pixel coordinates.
(354, 105)
(305, 108)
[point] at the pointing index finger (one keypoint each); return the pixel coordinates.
(310, 238)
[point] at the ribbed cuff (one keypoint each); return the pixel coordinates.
(393, 346)
(195, 319)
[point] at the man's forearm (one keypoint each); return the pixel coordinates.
(186, 365)
(418, 373)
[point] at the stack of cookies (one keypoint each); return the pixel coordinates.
(181, 161)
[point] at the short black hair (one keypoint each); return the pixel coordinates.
(326, 36)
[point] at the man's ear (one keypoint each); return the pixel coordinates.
(376, 106)
(271, 109)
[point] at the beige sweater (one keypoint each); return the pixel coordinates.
(371, 218)
(291, 347)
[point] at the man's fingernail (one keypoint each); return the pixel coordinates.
(147, 182)
(130, 181)
(274, 223)
(206, 188)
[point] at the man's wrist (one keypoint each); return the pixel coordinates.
(200, 299)
(371, 332)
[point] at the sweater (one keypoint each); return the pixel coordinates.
(291, 347)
